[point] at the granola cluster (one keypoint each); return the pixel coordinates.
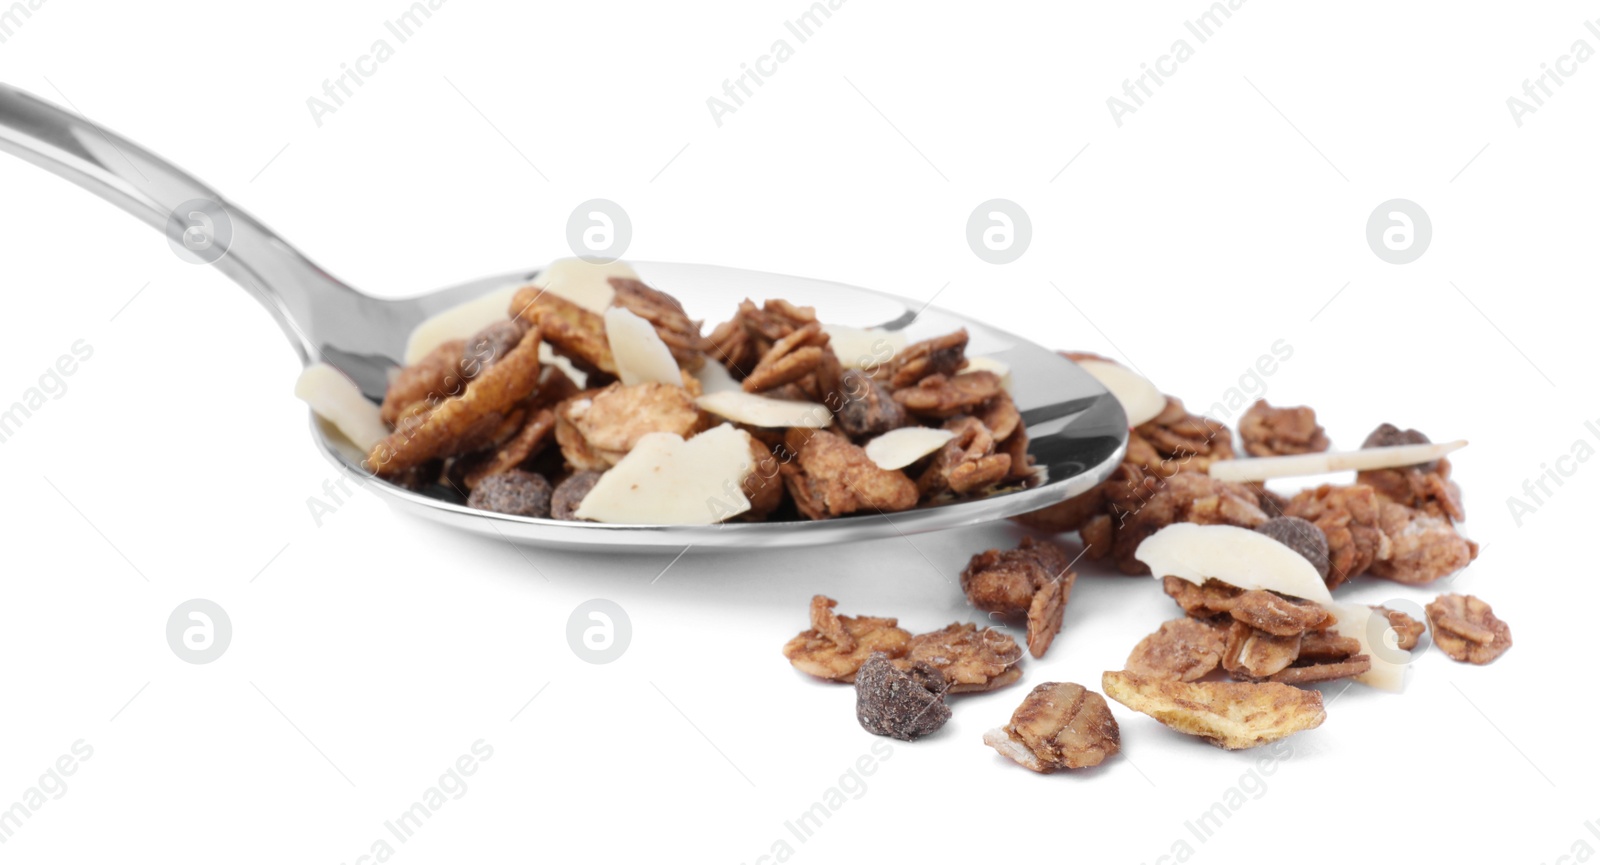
(1395, 523)
(484, 407)
(1259, 626)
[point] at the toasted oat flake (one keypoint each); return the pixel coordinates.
(839, 657)
(1466, 629)
(1060, 725)
(1230, 715)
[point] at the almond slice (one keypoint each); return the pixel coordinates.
(640, 354)
(585, 283)
(1298, 465)
(1237, 556)
(765, 411)
(715, 378)
(989, 364)
(1141, 399)
(1361, 623)
(337, 400)
(899, 448)
(863, 348)
(668, 481)
(457, 322)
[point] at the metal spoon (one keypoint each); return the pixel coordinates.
(1077, 431)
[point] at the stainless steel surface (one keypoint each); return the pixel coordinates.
(1078, 431)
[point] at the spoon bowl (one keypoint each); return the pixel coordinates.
(1077, 430)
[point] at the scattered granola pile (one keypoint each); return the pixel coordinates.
(597, 398)
(1252, 571)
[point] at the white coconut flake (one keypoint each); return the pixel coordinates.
(990, 364)
(1236, 556)
(584, 283)
(1300, 465)
(337, 400)
(715, 378)
(668, 481)
(899, 448)
(1361, 623)
(863, 348)
(458, 322)
(764, 411)
(1141, 400)
(640, 354)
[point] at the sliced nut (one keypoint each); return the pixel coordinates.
(1234, 555)
(665, 480)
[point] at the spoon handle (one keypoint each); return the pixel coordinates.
(201, 225)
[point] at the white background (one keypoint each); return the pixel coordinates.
(1227, 213)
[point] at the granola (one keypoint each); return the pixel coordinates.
(1176, 440)
(970, 659)
(966, 463)
(1408, 631)
(1230, 715)
(1426, 486)
(680, 333)
(1466, 629)
(1268, 431)
(1349, 519)
(943, 355)
(467, 422)
(1060, 725)
(941, 396)
(828, 476)
(1182, 650)
(597, 429)
(836, 646)
(434, 378)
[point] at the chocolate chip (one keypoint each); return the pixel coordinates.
(1389, 435)
(903, 704)
(569, 494)
(515, 492)
(1303, 537)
